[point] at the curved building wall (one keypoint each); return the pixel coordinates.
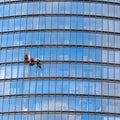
(78, 43)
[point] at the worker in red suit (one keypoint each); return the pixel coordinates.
(31, 61)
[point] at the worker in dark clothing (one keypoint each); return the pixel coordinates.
(26, 58)
(38, 63)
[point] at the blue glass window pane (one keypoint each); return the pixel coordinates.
(2, 72)
(65, 87)
(9, 55)
(48, 7)
(86, 8)
(32, 104)
(53, 70)
(58, 103)
(25, 104)
(43, 7)
(54, 22)
(17, 24)
(36, 7)
(45, 87)
(11, 24)
(42, 22)
(73, 22)
(38, 104)
(6, 10)
(3, 55)
(44, 105)
(61, 7)
(72, 87)
(91, 87)
(5, 25)
(59, 87)
(72, 70)
(24, 8)
(20, 71)
(1, 104)
(48, 38)
(78, 104)
(15, 55)
(11, 117)
(13, 88)
(79, 87)
(105, 9)
(92, 25)
(98, 40)
(85, 105)
(61, 23)
(51, 104)
(67, 7)
(32, 87)
(19, 9)
(105, 72)
(48, 22)
(67, 22)
(1, 88)
(12, 9)
(35, 23)
(7, 88)
(79, 71)
(54, 38)
(19, 87)
(85, 87)
(17, 117)
(55, 7)
(28, 40)
(71, 104)
(117, 73)
(98, 105)
(73, 37)
(30, 8)
(79, 23)
(5, 117)
(73, 54)
(39, 87)
(8, 71)
(74, 7)
(91, 104)
(26, 87)
(80, 8)
(60, 38)
(29, 23)
(92, 8)
(23, 23)
(10, 40)
(14, 71)
(98, 24)
(98, 9)
(6, 105)
(12, 104)
(67, 38)
(1, 10)
(105, 105)
(105, 25)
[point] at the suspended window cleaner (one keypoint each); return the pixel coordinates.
(38, 63)
(31, 62)
(26, 58)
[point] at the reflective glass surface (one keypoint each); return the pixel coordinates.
(78, 44)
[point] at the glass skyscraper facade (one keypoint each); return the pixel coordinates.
(78, 43)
